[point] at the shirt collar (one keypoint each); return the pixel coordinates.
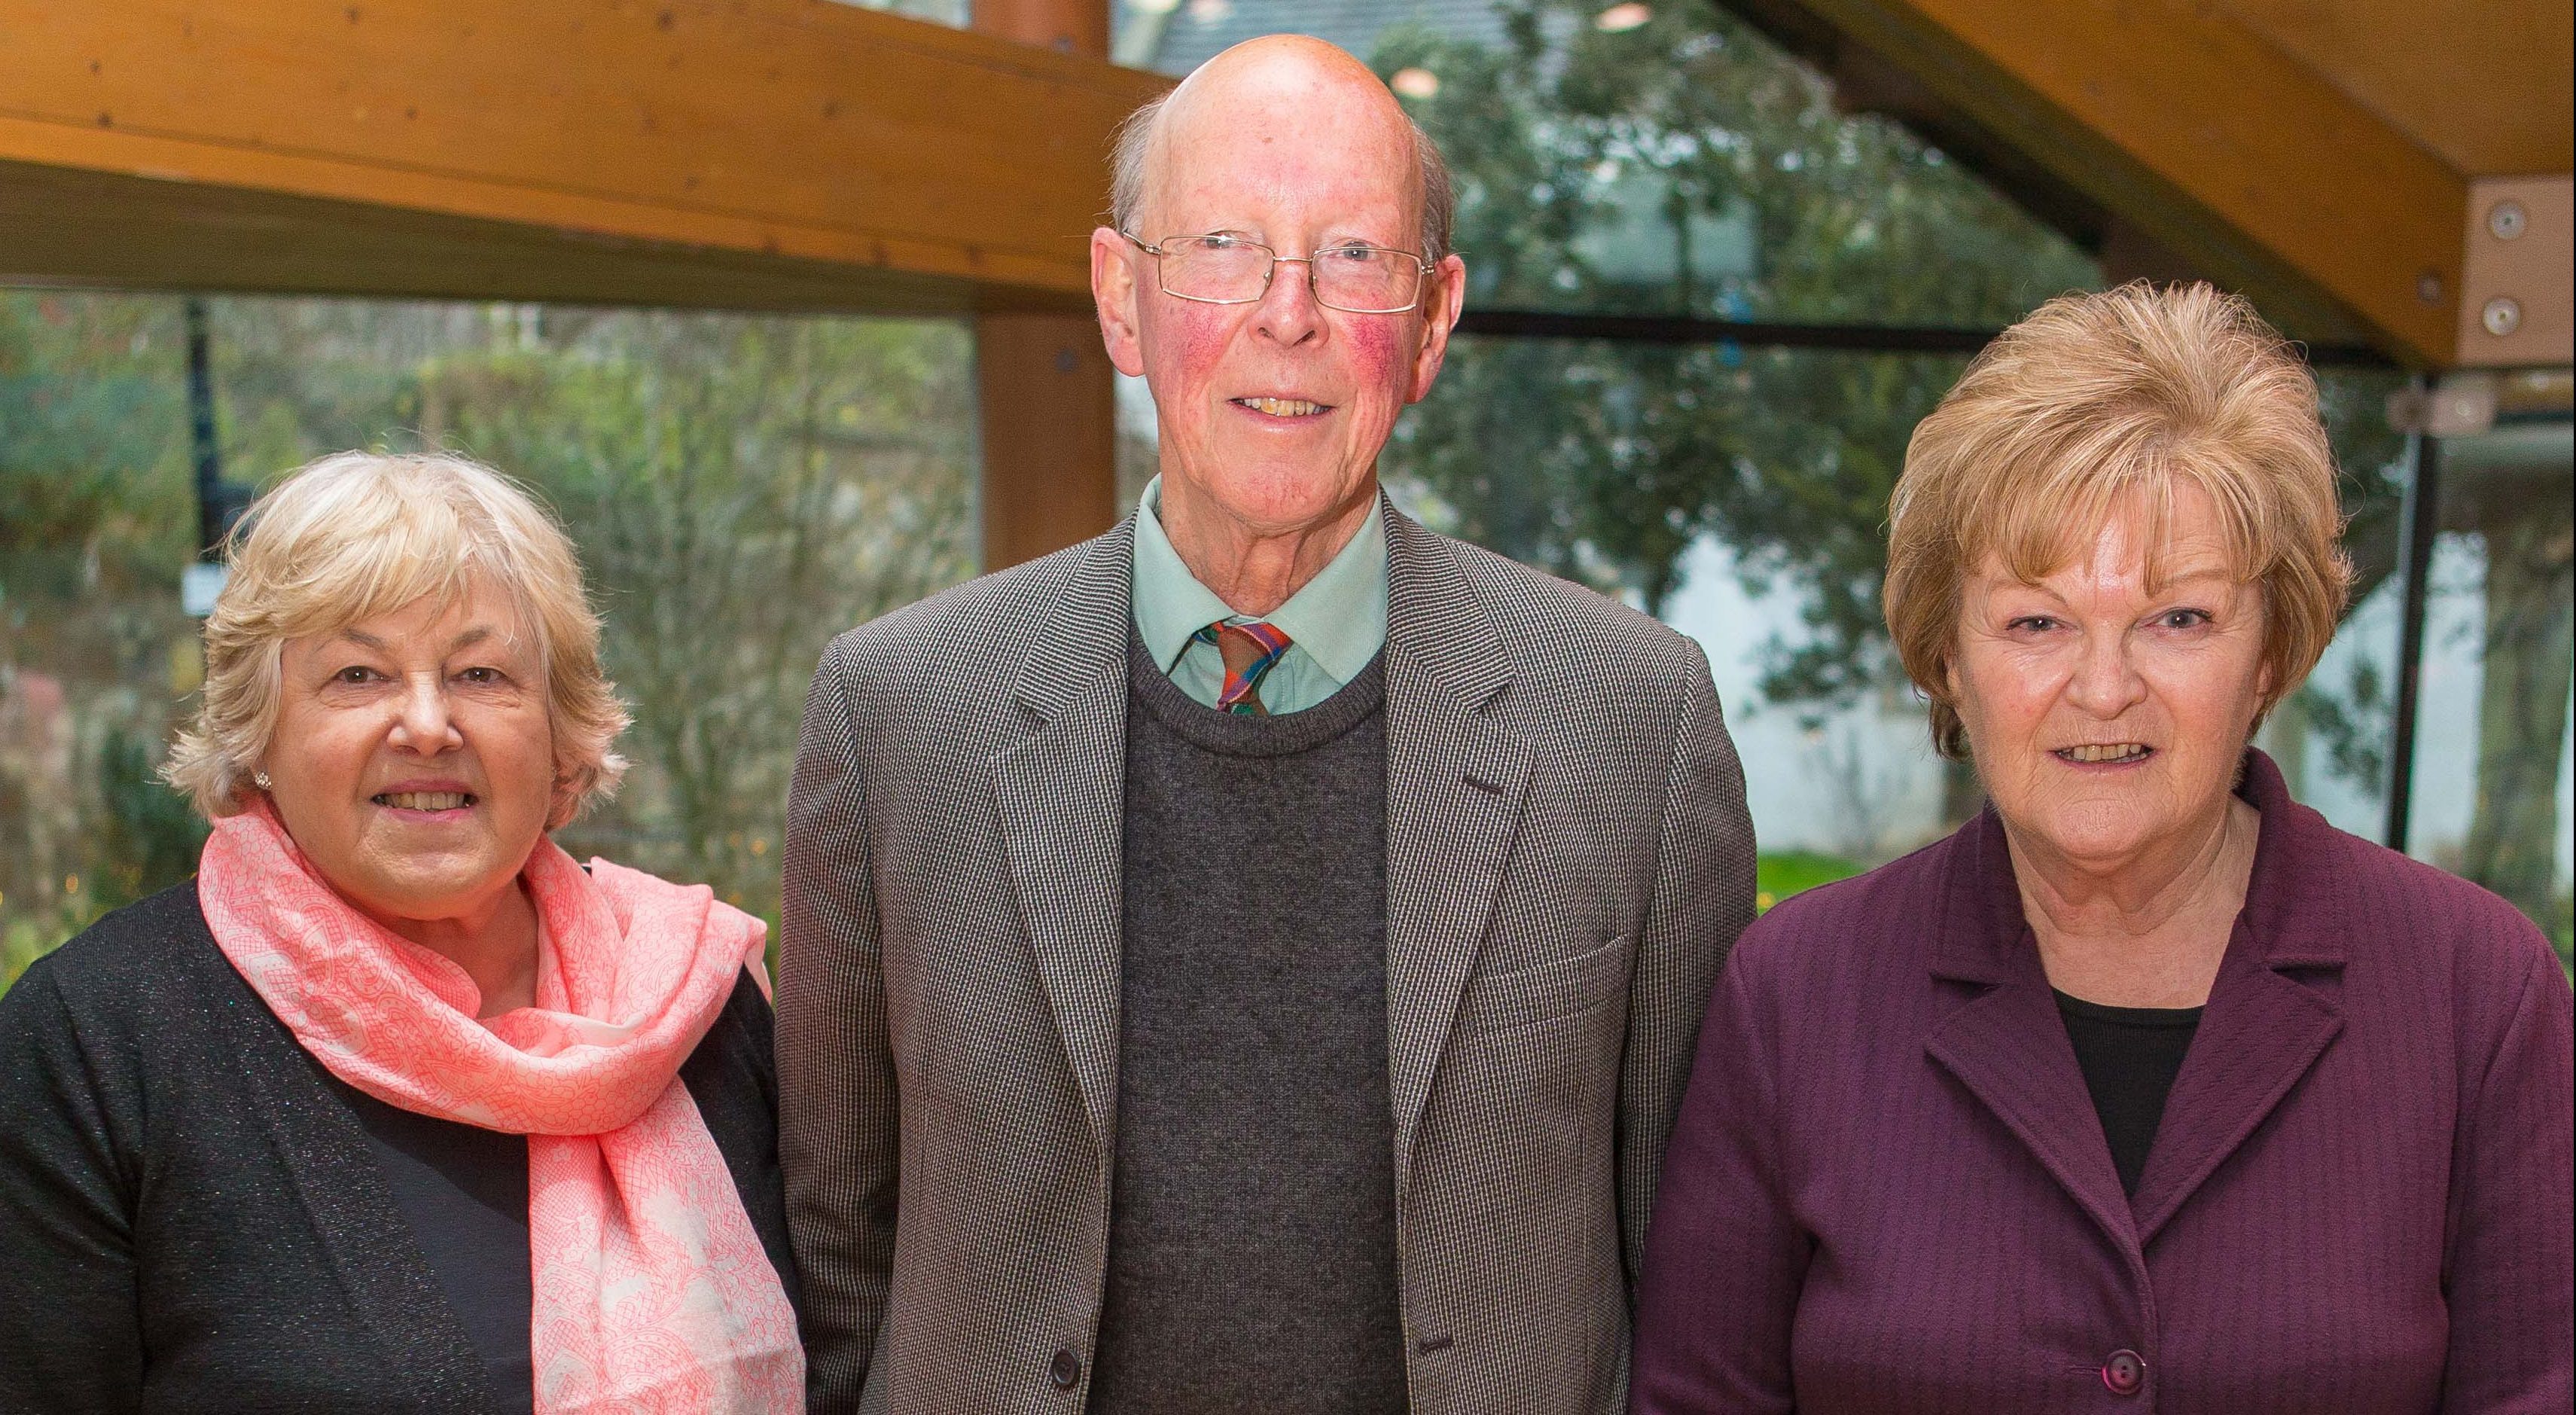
(1338, 618)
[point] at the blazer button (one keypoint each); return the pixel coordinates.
(2124, 1372)
(1066, 1370)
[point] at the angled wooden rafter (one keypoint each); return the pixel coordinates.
(2189, 124)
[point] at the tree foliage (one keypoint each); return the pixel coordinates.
(740, 489)
(1606, 462)
(96, 517)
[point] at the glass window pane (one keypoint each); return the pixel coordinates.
(739, 487)
(96, 517)
(1662, 159)
(2492, 757)
(1742, 496)
(2331, 738)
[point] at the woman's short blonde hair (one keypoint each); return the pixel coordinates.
(359, 534)
(2090, 402)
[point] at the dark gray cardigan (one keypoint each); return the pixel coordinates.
(192, 1219)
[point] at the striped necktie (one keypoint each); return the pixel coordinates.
(1250, 651)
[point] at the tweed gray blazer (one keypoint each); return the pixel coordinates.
(1568, 861)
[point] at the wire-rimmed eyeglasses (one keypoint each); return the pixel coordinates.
(1221, 268)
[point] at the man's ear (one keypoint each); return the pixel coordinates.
(1444, 296)
(1113, 293)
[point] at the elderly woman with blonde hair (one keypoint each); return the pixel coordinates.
(394, 1107)
(2147, 1089)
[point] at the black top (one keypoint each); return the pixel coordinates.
(464, 1191)
(1251, 1261)
(2129, 1056)
(194, 1216)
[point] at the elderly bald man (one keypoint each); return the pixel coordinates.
(1250, 961)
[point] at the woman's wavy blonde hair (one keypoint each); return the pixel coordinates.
(355, 535)
(2090, 402)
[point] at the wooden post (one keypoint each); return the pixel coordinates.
(1050, 416)
(1050, 423)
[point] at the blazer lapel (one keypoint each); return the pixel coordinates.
(1455, 779)
(1061, 795)
(2008, 1047)
(2262, 1030)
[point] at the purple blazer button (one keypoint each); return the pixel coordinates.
(2124, 1372)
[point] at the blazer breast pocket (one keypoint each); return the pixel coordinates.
(1541, 992)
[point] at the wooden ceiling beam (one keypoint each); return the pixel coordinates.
(758, 153)
(70, 226)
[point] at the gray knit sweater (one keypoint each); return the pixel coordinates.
(1252, 1215)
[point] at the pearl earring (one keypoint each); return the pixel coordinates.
(259, 779)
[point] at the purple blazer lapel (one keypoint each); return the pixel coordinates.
(2008, 1046)
(2262, 1030)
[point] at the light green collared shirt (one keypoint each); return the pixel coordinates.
(1335, 624)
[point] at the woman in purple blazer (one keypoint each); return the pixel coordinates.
(2148, 1089)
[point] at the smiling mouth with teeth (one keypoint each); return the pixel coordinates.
(2106, 752)
(423, 800)
(1282, 407)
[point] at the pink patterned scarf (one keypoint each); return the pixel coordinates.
(652, 1293)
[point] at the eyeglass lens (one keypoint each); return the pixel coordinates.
(1227, 269)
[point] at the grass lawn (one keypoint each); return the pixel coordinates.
(1783, 873)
